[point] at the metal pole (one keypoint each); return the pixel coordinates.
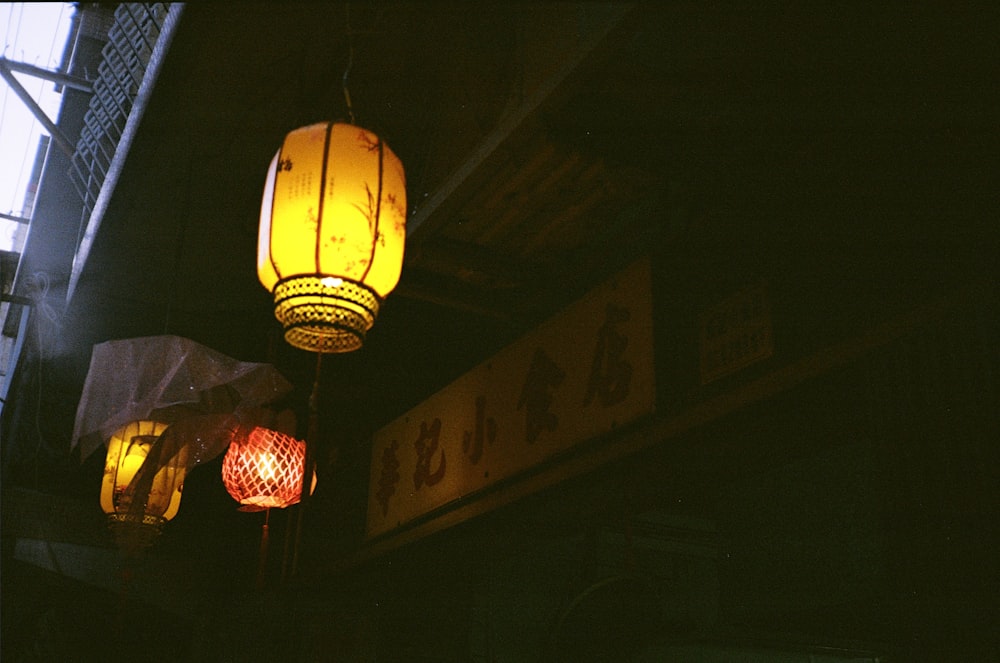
(11, 217)
(58, 77)
(57, 135)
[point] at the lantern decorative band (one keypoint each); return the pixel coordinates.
(135, 532)
(115, 519)
(135, 535)
(325, 314)
(264, 469)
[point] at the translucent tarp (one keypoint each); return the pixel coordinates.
(170, 379)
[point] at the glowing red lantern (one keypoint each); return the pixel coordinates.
(264, 469)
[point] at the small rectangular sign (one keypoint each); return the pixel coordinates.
(735, 333)
(581, 374)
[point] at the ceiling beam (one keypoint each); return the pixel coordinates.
(433, 212)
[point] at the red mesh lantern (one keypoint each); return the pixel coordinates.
(264, 470)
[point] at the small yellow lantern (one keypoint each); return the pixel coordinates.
(332, 233)
(144, 504)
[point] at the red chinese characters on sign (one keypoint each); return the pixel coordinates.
(426, 446)
(536, 396)
(610, 372)
(485, 431)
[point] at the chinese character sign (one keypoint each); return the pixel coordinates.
(735, 333)
(583, 373)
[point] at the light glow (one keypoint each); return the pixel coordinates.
(264, 469)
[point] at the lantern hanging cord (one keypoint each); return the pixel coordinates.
(262, 554)
(312, 430)
(350, 63)
(312, 433)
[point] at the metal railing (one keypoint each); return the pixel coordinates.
(126, 56)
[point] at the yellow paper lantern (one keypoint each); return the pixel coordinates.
(332, 233)
(154, 498)
(264, 469)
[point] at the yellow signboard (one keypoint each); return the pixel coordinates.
(581, 374)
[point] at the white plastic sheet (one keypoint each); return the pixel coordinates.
(171, 379)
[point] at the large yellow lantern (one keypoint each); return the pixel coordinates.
(332, 233)
(138, 506)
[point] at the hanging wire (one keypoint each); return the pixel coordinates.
(350, 63)
(262, 553)
(309, 463)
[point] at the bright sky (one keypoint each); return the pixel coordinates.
(35, 33)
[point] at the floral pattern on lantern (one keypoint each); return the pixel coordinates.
(332, 234)
(264, 469)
